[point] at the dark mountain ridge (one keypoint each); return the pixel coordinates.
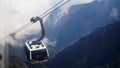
(100, 47)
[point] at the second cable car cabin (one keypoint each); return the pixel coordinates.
(37, 52)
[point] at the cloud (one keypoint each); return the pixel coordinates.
(64, 10)
(81, 1)
(50, 42)
(15, 13)
(114, 13)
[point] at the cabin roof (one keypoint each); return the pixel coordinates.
(33, 47)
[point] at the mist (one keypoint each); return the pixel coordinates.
(16, 13)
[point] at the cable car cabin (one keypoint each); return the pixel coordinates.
(37, 52)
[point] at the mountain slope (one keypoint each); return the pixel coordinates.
(99, 48)
(78, 21)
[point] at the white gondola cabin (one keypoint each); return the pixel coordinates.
(37, 52)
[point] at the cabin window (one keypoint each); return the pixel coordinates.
(39, 54)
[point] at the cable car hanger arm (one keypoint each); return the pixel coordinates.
(41, 21)
(34, 20)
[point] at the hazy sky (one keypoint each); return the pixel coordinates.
(15, 13)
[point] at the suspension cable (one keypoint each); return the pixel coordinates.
(20, 29)
(51, 8)
(55, 9)
(41, 16)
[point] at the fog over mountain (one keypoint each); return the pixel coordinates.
(64, 29)
(68, 25)
(31, 32)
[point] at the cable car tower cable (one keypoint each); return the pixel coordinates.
(41, 16)
(56, 8)
(51, 8)
(28, 24)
